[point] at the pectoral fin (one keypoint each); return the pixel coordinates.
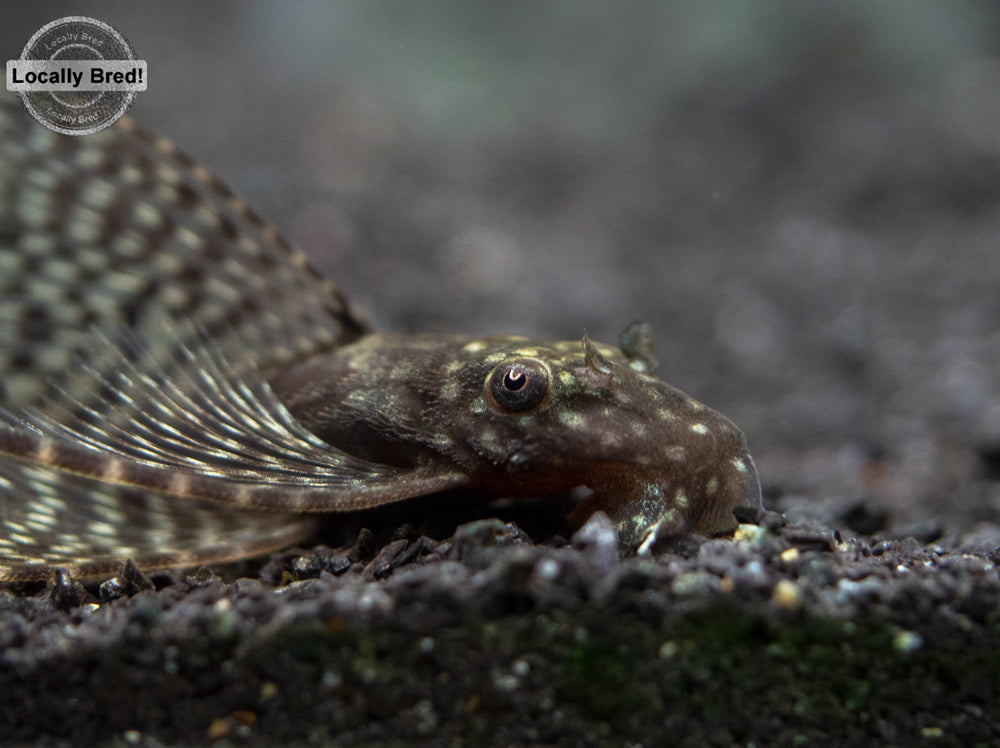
(195, 428)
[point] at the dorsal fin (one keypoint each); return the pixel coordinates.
(116, 229)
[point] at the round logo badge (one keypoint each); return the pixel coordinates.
(77, 75)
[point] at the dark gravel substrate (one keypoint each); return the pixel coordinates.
(791, 635)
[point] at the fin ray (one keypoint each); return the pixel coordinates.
(197, 425)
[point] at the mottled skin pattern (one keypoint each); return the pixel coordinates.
(208, 390)
(656, 459)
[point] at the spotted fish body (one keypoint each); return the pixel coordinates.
(181, 387)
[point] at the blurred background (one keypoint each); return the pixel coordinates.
(802, 197)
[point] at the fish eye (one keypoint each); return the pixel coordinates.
(518, 385)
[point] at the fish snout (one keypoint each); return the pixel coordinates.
(696, 492)
(729, 484)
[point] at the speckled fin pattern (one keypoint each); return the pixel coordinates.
(119, 257)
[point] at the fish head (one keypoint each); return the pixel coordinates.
(523, 416)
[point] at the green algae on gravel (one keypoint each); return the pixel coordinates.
(719, 676)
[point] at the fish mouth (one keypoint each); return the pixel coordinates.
(738, 487)
(647, 503)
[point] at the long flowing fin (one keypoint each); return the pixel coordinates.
(119, 229)
(201, 427)
(123, 233)
(54, 519)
